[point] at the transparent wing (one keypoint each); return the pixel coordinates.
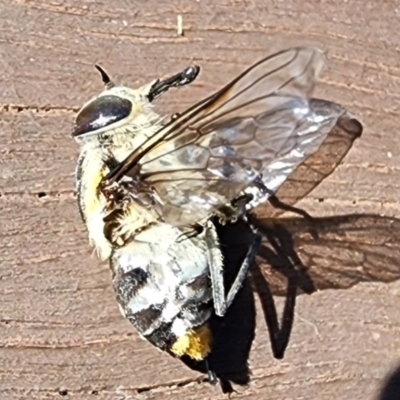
(261, 126)
(315, 168)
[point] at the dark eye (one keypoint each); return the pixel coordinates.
(104, 111)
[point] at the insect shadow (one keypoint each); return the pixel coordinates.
(391, 387)
(297, 256)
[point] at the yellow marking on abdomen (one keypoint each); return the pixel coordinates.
(196, 343)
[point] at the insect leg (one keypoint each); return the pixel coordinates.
(197, 230)
(244, 268)
(215, 261)
(275, 202)
(212, 377)
(186, 77)
(222, 303)
(235, 210)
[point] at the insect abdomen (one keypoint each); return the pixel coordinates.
(164, 290)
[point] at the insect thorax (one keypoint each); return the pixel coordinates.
(99, 154)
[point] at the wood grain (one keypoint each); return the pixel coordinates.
(61, 334)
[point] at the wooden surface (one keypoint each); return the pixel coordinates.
(61, 333)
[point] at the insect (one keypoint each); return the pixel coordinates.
(151, 193)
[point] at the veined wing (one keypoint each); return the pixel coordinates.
(258, 127)
(315, 168)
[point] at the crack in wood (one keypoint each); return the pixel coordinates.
(62, 195)
(18, 108)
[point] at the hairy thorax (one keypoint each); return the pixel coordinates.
(95, 161)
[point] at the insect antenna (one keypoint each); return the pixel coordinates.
(183, 78)
(105, 78)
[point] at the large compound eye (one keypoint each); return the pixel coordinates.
(102, 112)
